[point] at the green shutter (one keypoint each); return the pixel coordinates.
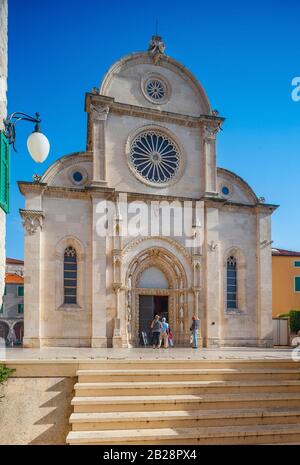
(297, 264)
(1, 309)
(4, 173)
(21, 308)
(20, 291)
(297, 283)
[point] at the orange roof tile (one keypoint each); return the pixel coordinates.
(285, 253)
(12, 278)
(14, 261)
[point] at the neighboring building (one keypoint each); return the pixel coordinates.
(151, 135)
(3, 148)
(286, 281)
(12, 310)
(14, 266)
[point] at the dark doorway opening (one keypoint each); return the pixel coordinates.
(149, 306)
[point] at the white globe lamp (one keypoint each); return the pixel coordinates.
(38, 146)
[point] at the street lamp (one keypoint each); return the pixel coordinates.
(37, 143)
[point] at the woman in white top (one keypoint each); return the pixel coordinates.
(164, 333)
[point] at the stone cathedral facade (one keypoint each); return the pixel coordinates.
(151, 140)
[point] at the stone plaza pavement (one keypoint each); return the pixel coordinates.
(77, 354)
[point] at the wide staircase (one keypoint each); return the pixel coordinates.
(186, 402)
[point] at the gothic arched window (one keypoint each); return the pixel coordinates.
(70, 276)
(231, 283)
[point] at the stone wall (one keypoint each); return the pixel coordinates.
(35, 410)
(3, 112)
(119, 176)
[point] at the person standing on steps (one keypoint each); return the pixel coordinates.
(164, 339)
(170, 337)
(194, 329)
(156, 330)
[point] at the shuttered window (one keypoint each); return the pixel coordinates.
(297, 284)
(20, 308)
(20, 291)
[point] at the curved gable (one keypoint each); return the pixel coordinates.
(60, 173)
(239, 190)
(125, 79)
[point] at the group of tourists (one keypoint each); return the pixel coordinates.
(162, 334)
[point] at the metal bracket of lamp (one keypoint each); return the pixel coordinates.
(37, 143)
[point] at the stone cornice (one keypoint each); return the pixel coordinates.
(266, 207)
(91, 191)
(27, 187)
(94, 100)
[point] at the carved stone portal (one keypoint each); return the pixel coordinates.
(177, 292)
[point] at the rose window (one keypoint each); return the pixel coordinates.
(155, 89)
(155, 157)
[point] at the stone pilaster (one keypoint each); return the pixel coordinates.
(209, 147)
(98, 284)
(33, 305)
(212, 277)
(117, 334)
(264, 279)
(99, 117)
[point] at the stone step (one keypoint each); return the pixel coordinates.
(175, 363)
(188, 374)
(247, 434)
(182, 387)
(86, 404)
(182, 418)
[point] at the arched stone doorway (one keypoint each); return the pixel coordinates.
(4, 330)
(19, 332)
(159, 275)
(152, 303)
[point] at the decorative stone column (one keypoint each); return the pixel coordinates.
(117, 285)
(99, 117)
(117, 334)
(196, 292)
(198, 232)
(33, 277)
(209, 147)
(212, 281)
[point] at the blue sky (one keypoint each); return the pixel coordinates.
(245, 54)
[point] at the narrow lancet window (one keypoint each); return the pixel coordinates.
(231, 283)
(70, 276)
